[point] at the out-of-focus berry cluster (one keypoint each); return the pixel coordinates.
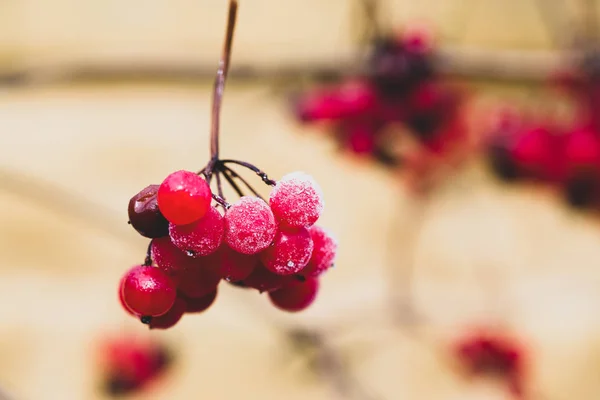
(493, 354)
(130, 364)
(399, 97)
(564, 155)
(272, 247)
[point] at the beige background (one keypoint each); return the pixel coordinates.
(71, 157)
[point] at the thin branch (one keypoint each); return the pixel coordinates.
(263, 175)
(220, 80)
(231, 182)
(219, 185)
(241, 179)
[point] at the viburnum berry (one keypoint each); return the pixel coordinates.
(323, 254)
(201, 237)
(289, 253)
(121, 300)
(250, 225)
(195, 245)
(236, 266)
(148, 291)
(144, 215)
(264, 280)
(296, 200)
(171, 317)
(184, 197)
(295, 296)
(199, 304)
(201, 278)
(170, 258)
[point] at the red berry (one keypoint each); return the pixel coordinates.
(171, 317)
(169, 257)
(234, 266)
(296, 200)
(125, 306)
(201, 278)
(148, 291)
(535, 153)
(250, 226)
(582, 151)
(144, 215)
(184, 197)
(295, 296)
(289, 253)
(202, 237)
(200, 304)
(323, 254)
(264, 280)
(361, 138)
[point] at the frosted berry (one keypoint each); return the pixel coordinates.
(250, 226)
(296, 200)
(144, 215)
(323, 254)
(202, 237)
(200, 304)
(236, 266)
(171, 317)
(184, 197)
(264, 280)
(169, 257)
(200, 279)
(289, 253)
(148, 291)
(295, 296)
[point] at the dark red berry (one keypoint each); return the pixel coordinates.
(200, 279)
(295, 296)
(148, 291)
(264, 280)
(200, 304)
(171, 317)
(234, 266)
(184, 197)
(144, 215)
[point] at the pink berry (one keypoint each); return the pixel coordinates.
(535, 153)
(200, 304)
(234, 266)
(202, 237)
(148, 291)
(582, 150)
(184, 197)
(250, 226)
(324, 251)
(296, 200)
(295, 296)
(169, 257)
(289, 253)
(200, 279)
(171, 317)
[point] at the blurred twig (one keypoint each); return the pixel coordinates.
(459, 62)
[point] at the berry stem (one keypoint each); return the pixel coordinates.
(219, 87)
(219, 199)
(263, 175)
(148, 259)
(232, 183)
(219, 184)
(245, 182)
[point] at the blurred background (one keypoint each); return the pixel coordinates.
(100, 99)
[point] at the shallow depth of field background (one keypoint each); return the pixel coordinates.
(72, 154)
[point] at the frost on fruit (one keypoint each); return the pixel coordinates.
(324, 251)
(290, 252)
(202, 237)
(249, 225)
(297, 200)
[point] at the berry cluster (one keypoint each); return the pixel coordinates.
(399, 90)
(544, 152)
(199, 239)
(490, 354)
(129, 364)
